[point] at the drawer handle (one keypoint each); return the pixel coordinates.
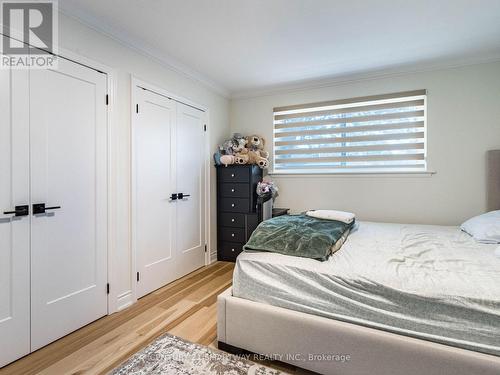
(232, 234)
(232, 204)
(232, 190)
(232, 220)
(232, 250)
(232, 174)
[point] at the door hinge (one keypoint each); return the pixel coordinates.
(137, 108)
(205, 127)
(107, 99)
(138, 276)
(107, 288)
(205, 248)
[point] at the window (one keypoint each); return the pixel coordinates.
(371, 134)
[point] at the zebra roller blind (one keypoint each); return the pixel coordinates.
(374, 134)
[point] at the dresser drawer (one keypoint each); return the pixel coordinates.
(230, 250)
(232, 234)
(235, 205)
(234, 174)
(232, 220)
(235, 190)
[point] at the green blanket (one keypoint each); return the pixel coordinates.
(297, 235)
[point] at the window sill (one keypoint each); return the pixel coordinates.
(292, 174)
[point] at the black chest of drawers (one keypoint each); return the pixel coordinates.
(237, 210)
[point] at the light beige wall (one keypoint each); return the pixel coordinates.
(78, 38)
(463, 122)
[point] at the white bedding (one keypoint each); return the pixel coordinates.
(431, 282)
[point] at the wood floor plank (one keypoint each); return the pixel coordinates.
(101, 345)
(198, 325)
(186, 308)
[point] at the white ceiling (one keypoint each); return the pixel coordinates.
(241, 46)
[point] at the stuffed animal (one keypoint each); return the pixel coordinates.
(217, 157)
(227, 147)
(239, 146)
(256, 143)
(227, 159)
(235, 151)
(251, 158)
(241, 158)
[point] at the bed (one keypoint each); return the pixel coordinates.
(396, 299)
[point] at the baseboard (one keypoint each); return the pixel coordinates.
(125, 300)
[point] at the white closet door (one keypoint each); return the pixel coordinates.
(190, 179)
(14, 231)
(68, 169)
(153, 210)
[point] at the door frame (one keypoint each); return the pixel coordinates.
(134, 83)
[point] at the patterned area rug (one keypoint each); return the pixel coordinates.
(173, 355)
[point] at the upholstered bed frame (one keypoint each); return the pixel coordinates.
(292, 336)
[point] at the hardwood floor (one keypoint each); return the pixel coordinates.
(186, 308)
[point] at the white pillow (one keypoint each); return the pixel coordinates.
(345, 217)
(484, 228)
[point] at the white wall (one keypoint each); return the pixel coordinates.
(463, 122)
(76, 37)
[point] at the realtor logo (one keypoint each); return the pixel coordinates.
(29, 34)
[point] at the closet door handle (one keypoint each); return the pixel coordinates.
(19, 211)
(40, 208)
(182, 195)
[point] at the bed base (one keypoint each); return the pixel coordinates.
(329, 346)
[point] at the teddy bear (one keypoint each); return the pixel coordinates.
(256, 143)
(255, 157)
(252, 157)
(227, 151)
(239, 146)
(227, 159)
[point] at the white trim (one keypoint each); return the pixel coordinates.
(137, 82)
(140, 47)
(162, 92)
(132, 197)
(208, 198)
(125, 300)
(372, 174)
(299, 85)
(346, 79)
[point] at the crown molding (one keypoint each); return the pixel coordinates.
(171, 63)
(339, 80)
(140, 47)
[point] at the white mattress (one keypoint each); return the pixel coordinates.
(430, 282)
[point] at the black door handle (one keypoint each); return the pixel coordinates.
(173, 197)
(40, 208)
(182, 195)
(19, 211)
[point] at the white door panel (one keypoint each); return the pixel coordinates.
(14, 231)
(154, 211)
(190, 179)
(169, 158)
(68, 169)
